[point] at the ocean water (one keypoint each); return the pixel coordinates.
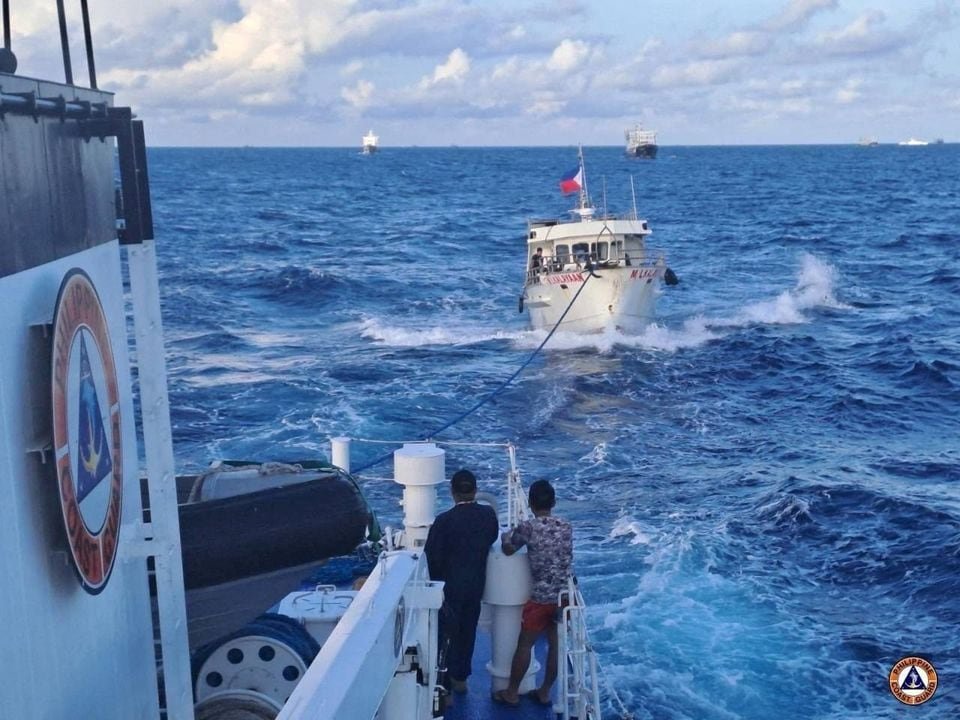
(764, 484)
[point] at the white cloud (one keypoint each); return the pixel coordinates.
(545, 104)
(792, 88)
(455, 68)
(568, 55)
(360, 96)
(797, 13)
(737, 44)
(850, 92)
(352, 68)
(855, 31)
(699, 72)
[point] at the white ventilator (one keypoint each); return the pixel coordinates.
(419, 467)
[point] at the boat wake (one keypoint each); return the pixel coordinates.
(453, 334)
(813, 289)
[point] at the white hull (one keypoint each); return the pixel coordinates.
(620, 298)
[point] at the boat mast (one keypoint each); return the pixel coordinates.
(584, 195)
(633, 193)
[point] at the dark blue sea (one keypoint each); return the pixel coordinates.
(764, 484)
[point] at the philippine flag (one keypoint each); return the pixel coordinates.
(572, 181)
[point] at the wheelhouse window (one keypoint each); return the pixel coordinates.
(562, 253)
(581, 251)
(599, 251)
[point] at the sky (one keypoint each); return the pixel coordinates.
(514, 72)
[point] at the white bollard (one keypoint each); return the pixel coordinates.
(419, 467)
(340, 452)
(506, 592)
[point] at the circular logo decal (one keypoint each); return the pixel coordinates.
(86, 430)
(913, 680)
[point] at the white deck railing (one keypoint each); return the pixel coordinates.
(578, 669)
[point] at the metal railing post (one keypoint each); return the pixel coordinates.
(88, 41)
(65, 43)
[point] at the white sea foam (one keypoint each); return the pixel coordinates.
(597, 456)
(395, 336)
(814, 288)
(629, 526)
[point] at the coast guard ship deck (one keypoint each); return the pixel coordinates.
(92, 587)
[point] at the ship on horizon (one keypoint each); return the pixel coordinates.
(641, 143)
(370, 143)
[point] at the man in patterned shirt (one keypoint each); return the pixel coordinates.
(549, 542)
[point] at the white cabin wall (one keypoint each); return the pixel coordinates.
(65, 653)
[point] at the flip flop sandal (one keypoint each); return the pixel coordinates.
(535, 696)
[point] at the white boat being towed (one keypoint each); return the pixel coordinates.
(591, 273)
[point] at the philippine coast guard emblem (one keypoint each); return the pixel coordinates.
(913, 680)
(86, 430)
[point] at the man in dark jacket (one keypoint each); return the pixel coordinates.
(457, 548)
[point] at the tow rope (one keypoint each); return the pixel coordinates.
(496, 391)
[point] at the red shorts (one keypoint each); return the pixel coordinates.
(537, 617)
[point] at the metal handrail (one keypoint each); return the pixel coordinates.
(546, 222)
(579, 686)
(551, 265)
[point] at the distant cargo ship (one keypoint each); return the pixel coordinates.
(371, 143)
(641, 143)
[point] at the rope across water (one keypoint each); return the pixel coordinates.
(496, 391)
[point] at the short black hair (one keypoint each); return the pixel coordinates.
(463, 482)
(542, 496)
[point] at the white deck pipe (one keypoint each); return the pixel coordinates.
(507, 590)
(340, 452)
(419, 467)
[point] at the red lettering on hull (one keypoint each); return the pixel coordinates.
(564, 278)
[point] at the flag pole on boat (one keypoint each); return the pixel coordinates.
(584, 195)
(633, 193)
